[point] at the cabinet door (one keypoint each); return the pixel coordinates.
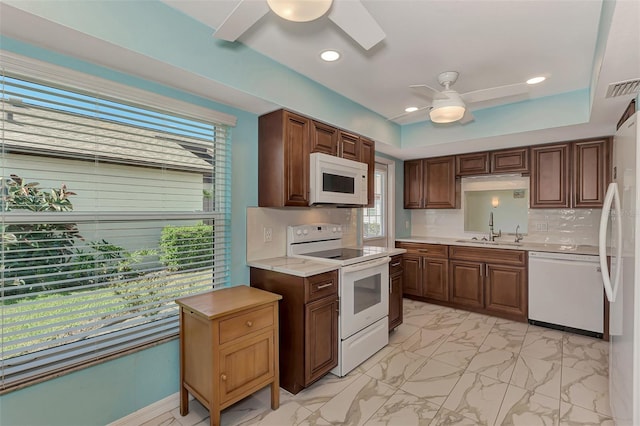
(296, 153)
(324, 138)
(411, 274)
(320, 338)
(506, 290)
(590, 159)
(550, 176)
(395, 300)
(349, 146)
(440, 186)
(245, 364)
(435, 279)
(476, 163)
(466, 280)
(368, 156)
(510, 160)
(413, 185)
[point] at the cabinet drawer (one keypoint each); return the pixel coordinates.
(395, 266)
(321, 285)
(428, 250)
(488, 255)
(245, 323)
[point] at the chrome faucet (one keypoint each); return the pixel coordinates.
(519, 237)
(493, 235)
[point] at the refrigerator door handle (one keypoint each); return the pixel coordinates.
(612, 199)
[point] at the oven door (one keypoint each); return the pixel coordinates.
(364, 295)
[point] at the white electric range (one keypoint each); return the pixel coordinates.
(363, 289)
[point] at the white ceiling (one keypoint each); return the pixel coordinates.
(490, 42)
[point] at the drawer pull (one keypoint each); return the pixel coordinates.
(223, 377)
(423, 250)
(249, 323)
(324, 286)
(393, 265)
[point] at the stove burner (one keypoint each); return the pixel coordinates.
(338, 254)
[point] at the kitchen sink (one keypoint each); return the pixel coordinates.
(489, 243)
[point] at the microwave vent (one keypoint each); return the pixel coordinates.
(622, 88)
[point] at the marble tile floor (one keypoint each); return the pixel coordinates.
(446, 367)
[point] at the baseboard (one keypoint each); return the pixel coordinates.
(149, 412)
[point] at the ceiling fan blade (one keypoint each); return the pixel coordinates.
(355, 20)
(467, 117)
(429, 91)
(245, 14)
(495, 92)
(408, 113)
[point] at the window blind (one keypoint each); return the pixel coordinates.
(110, 211)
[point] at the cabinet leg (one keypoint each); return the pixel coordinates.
(275, 394)
(214, 417)
(184, 401)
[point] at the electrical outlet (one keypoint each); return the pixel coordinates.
(542, 227)
(268, 235)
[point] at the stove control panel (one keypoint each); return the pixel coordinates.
(313, 232)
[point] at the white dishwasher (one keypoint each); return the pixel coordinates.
(565, 291)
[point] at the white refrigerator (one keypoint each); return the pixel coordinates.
(619, 231)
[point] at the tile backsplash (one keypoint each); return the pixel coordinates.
(554, 226)
(259, 218)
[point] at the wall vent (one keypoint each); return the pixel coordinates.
(622, 88)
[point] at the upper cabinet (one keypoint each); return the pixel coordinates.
(569, 175)
(285, 141)
(476, 163)
(502, 161)
(431, 184)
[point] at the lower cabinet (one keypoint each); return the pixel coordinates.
(308, 324)
(425, 271)
(467, 283)
(395, 292)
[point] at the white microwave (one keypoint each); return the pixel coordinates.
(335, 180)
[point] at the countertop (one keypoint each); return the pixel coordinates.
(302, 267)
(505, 244)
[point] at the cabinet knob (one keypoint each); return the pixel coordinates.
(249, 323)
(223, 377)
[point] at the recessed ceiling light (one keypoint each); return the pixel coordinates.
(330, 55)
(411, 109)
(536, 80)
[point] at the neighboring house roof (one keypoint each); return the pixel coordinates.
(34, 130)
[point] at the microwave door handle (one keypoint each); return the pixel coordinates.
(365, 265)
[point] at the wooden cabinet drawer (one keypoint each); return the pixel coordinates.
(395, 266)
(244, 323)
(488, 255)
(321, 285)
(428, 250)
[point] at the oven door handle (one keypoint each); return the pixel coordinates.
(365, 265)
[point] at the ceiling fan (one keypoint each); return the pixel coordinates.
(449, 106)
(349, 15)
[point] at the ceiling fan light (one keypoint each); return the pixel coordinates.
(299, 10)
(447, 114)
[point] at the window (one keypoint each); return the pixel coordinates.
(374, 218)
(111, 210)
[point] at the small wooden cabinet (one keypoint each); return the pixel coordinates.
(476, 163)
(510, 161)
(308, 324)
(425, 271)
(348, 145)
(395, 292)
(493, 281)
(431, 183)
(228, 347)
(368, 156)
(570, 175)
(324, 138)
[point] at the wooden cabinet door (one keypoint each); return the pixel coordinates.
(476, 163)
(550, 178)
(412, 274)
(368, 156)
(324, 138)
(348, 146)
(590, 171)
(510, 160)
(440, 187)
(466, 280)
(506, 290)
(395, 300)
(435, 279)
(296, 153)
(413, 182)
(320, 338)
